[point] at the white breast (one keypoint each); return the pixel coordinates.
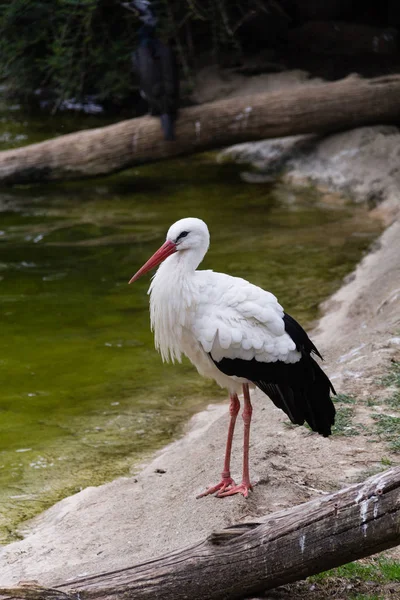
(203, 313)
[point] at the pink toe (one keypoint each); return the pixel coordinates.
(225, 484)
(243, 489)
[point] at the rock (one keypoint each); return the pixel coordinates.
(212, 83)
(267, 157)
(363, 163)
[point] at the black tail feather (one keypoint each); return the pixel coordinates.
(304, 396)
(299, 336)
(301, 389)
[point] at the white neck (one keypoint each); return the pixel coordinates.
(185, 261)
(171, 296)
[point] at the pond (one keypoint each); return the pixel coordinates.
(84, 394)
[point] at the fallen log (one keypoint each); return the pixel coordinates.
(321, 108)
(248, 558)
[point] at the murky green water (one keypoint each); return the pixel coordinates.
(83, 392)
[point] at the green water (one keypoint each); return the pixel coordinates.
(83, 393)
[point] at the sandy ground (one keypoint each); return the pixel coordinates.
(144, 516)
(138, 518)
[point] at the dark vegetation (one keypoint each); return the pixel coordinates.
(375, 578)
(72, 49)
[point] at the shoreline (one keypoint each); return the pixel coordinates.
(137, 518)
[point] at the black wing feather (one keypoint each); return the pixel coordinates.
(299, 336)
(302, 389)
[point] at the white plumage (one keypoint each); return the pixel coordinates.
(198, 313)
(233, 332)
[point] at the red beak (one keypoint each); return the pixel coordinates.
(162, 253)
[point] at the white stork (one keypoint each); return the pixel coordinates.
(236, 333)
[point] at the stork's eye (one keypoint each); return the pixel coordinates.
(181, 235)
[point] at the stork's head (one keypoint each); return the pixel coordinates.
(189, 236)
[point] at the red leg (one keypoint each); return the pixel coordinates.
(245, 486)
(226, 479)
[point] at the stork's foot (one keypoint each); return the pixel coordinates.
(243, 488)
(224, 485)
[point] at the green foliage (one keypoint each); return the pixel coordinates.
(367, 597)
(344, 423)
(368, 579)
(393, 377)
(388, 427)
(74, 48)
(345, 398)
(382, 570)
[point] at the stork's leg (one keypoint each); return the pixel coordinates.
(226, 479)
(245, 486)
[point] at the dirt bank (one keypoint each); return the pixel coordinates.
(137, 518)
(362, 163)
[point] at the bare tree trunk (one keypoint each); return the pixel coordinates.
(289, 545)
(307, 109)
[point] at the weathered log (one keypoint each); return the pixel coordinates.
(306, 109)
(244, 559)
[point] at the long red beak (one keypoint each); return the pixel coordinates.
(162, 253)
